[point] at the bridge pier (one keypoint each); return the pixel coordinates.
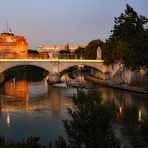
(54, 78)
(2, 78)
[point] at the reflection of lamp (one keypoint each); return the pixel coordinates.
(139, 115)
(120, 110)
(8, 120)
(120, 113)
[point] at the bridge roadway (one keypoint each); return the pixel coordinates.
(53, 66)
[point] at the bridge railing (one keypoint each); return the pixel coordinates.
(52, 60)
(34, 57)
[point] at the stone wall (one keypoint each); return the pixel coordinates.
(139, 80)
(136, 78)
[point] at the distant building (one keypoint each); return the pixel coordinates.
(56, 48)
(59, 51)
(13, 46)
(66, 54)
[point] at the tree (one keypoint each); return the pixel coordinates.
(31, 51)
(128, 25)
(90, 51)
(129, 39)
(90, 124)
(31, 142)
(80, 51)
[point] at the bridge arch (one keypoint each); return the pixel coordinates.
(100, 67)
(25, 72)
(53, 66)
(6, 66)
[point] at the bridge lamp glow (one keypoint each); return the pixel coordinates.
(139, 115)
(8, 120)
(120, 110)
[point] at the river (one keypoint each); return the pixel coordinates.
(37, 109)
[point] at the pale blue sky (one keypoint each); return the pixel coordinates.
(62, 21)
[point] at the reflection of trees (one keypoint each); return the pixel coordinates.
(118, 98)
(145, 130)
(57, 100)
(89, 125)
(131, 110)
(124, 100)
(132, 120)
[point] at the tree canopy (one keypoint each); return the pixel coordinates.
(90, 51)
(31, 51)
(129, 40)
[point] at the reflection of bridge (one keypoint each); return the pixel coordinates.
(55, 66)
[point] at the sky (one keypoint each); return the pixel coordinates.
(57, 22)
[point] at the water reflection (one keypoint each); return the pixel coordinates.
(139, 116)
(17, 89)
(8, 120)
(36, 109)
(15, 96)
(32, 109)
(30, 96)
(77, 78)
(124, 100)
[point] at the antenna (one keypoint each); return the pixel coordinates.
(7, 29)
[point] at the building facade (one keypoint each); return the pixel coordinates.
(59, 51)
(13, 46)
(56, 48)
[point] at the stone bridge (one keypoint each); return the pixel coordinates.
(56, 66)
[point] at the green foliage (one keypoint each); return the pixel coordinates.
(31, 51)
(89, 52)
(80, 52)
(61, 143)
(129, 40)
(128, 25)
(90, 124)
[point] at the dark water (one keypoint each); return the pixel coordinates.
(36, 109)
(32, 109)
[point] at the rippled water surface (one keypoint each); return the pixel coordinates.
(33, 109)
(36, 109)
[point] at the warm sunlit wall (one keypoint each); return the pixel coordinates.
(12, 46)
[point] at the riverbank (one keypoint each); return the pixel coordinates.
(118, 86)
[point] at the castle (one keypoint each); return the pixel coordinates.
(13, 46)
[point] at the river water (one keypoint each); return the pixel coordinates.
(37, 109)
